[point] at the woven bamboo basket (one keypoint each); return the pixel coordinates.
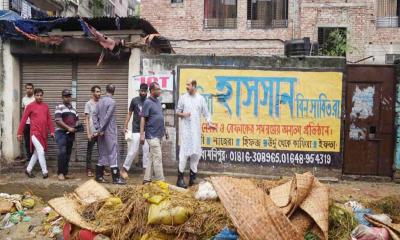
(252, 212)
(67, 208)
(290, 195)
(307, 193)
(301, 221)
(90, 192)
(316, 205)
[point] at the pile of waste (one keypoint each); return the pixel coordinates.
(16, 209)
(378, 221)
(143, 212)
(220, 208)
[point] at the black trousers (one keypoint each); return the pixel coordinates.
(89, 153)
(27, 140)
(65, 142)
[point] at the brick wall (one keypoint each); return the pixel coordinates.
(182, 23)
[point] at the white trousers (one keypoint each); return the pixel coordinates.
(37, 154)
(133, 151)
(194, 161)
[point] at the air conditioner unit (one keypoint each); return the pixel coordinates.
(301, 47)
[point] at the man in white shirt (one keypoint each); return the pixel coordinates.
(26, 100)
(191, 106)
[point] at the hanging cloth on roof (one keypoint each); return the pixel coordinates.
(49, 40)
(91, 32)
(106, 42)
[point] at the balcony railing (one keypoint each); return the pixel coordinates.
(220, 23)
(17, 6)
(262, 24)
(387, 22)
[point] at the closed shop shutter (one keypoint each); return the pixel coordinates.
(88, 74)
(52, 76)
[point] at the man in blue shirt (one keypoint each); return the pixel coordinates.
(152, 130)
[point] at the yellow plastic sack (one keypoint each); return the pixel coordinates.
(28, 203)
(156, 236)
(112, 202)
(163, 213)
(163, 185)
(156, 199)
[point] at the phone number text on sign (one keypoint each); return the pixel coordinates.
(268, 157)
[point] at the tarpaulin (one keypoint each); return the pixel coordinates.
(9, 15)
(9, 20)
(7, 29)
(38, 27)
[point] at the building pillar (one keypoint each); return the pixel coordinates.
(10, 147)
(134, 70)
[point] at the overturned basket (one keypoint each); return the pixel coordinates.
(252, 211)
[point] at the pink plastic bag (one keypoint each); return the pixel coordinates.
(362, 232)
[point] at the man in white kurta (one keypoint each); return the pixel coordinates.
(191, 106)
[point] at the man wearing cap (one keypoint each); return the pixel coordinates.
(66, 119)
(135, 108)
(105, 124)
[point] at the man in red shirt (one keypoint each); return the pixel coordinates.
(39, 115)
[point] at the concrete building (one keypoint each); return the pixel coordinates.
(73, 65)
(260, 27)
(70, 8)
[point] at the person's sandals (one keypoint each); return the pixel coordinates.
(124, 174)
(89, 173)
(29, 174)
(146, 182)
(61, 177)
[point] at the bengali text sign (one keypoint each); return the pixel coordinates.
(275, 117)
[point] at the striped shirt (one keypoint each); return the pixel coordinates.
(67, 114)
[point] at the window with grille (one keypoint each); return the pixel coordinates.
(176, 1)
(391, 58)
(267, 13)
(220, 13)
(388, 13)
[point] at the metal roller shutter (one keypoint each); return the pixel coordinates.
(88, 74)
(52, 76)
